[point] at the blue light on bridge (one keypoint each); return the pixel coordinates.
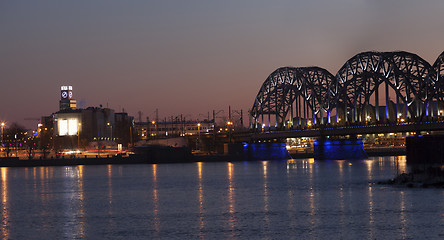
(339, 150)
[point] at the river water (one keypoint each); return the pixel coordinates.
(294, 199)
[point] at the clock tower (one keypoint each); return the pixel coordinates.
(66, 100)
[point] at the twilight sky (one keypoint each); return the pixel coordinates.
(189, 57)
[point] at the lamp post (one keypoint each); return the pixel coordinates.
(111, 129)
(155, 127)
(78, 136)
(131, 136)
(3, 126)
(198, 138)
(229, 123)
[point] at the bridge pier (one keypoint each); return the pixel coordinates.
(340, 149)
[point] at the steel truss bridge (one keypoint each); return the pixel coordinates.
(371, 88)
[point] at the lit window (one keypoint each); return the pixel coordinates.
(72, 127)
(63, 127)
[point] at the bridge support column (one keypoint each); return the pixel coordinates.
(325, 149)
(377, 103)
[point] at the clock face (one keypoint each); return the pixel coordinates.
(64, 94)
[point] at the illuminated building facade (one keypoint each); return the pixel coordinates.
(145, 130)
(66, 101)
(68, 123)
(90, 124)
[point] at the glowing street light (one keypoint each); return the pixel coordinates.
(78, 135)
(229, 123)
(3, 126)
(155, 127)
(111, 127)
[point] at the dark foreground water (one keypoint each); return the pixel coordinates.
(296, 199)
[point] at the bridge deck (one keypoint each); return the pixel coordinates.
(343, 131)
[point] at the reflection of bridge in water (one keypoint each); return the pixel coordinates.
(374, 92)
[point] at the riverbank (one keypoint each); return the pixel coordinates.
(138, 159)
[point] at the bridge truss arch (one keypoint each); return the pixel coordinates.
(292, 95)
(438, 66)
(371, 87)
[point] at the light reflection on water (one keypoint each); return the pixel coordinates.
(201, 199)
(294, 199)
(5, 204)
(231, 197)
(155, 200)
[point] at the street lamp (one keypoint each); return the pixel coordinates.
(111, 127)
(3, 126)
(198, 138)
(155, 128)
(229, 123)
(78, 136)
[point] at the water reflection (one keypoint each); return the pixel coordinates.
(81, 208)
(291, 164)
(369, 164)
(311, 193)
(44, 185)
(402, 215)
(155, 200)
(303, 199)
(266, 194)
(110, 189)
(201, 198)
(5, 204)
(74, 199)
(109, 174)
(381, 162)
(341, 164)
(400, 162)
(231, 203)
(371, 212)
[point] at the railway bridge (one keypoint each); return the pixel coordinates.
(373, 92)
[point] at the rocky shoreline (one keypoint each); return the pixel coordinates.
(419, 177)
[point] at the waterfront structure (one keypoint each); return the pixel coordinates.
(93, 124)
(67, 101)
(88, 124)
(153, 129)
(370, 88)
